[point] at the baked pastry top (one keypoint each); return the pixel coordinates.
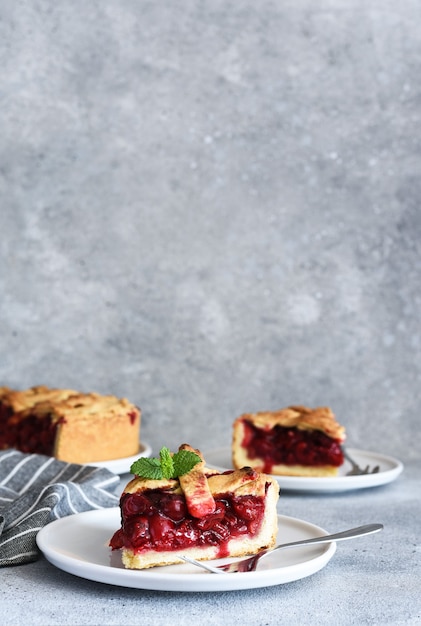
(241, 482)
(73, 405)
(301, 417)
(19, 401)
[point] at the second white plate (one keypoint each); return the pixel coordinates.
(390, 469)
(122, 466)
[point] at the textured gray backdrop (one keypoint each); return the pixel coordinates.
(213, 208)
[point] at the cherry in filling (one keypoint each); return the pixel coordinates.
(159, 520)
(291, 446)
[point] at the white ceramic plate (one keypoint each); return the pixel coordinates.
(122, 466)
(78, 544)
(390, 469)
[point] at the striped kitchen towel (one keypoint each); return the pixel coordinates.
(37, 489)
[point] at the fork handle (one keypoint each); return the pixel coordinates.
(367, 529)
(351, 460)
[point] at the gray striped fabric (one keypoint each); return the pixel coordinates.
(35, 490)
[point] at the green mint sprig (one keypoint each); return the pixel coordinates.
(167, 466)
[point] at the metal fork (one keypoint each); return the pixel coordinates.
(356, 470)
(249, 564)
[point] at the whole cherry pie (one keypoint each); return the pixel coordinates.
(72, 426)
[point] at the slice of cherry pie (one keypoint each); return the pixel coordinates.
(295, 441)
(202, 514)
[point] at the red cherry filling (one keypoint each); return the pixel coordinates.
(159, 520)
(5, 413)
(132, 416)
(31, 434)
(291, 446)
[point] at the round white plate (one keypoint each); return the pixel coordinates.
(122, 466)
(78, 544)
(390, 469)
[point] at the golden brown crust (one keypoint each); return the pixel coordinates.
(243, 481)
(301, 417)
(23, 400)
(139, 484)
(83, 405)
(94, 428)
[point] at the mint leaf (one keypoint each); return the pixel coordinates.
(167, 466)
(184, 461)
(167, 463)
(147, 468)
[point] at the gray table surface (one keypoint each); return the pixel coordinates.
(371, 580)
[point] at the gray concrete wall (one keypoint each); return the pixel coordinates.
(213, 208)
